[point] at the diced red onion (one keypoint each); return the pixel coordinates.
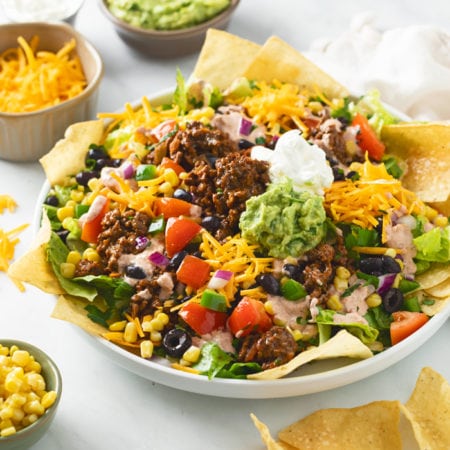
(408, 220)
(127, 170)
(141, 242)
(245, 127)
(220, 279)
(158, 259)
(386, 282)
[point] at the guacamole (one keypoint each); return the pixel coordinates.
(166, 14)
(284, 221)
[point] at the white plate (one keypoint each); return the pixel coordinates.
(315, 377)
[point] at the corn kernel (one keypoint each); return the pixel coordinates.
(297, 335)
(6, 413)
(171, 177)
(147, 349)
(73, 257)
(91, 255)
(20, 358)
(155, 336)
(340, 284)
(166, 189)
(76, 195)
(118, 326)
(147, 326)
(279, 322)
(192, 354)
(29, 419)
(397, 280)
(430, 213)
(48, 399)
(14, 380)
(35, 381)
(64, 212)
(9, 431)
(390, 252)
(373, 300)
(93, 184)
(343, 272)
(440, 221)
(18, 415)
(34, 407)
(268, 306)
(156, 324)
(334, 303)
(67, 270)
(130, 333)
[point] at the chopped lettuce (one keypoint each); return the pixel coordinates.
(365, 333)
(434, 245)
(371, 106)
(180, 96)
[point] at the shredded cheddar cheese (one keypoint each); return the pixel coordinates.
(7, 202)
(374, 194)
(31, 80)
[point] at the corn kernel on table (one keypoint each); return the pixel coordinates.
(107, 407)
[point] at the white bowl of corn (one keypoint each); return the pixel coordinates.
(30, 391)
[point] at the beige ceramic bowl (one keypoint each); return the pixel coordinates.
(29, 435)
(28, 136)
(166, 44)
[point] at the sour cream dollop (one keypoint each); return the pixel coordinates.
(294, 157)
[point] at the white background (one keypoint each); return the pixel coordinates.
(106, 407)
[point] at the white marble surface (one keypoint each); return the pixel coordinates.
(106, 407)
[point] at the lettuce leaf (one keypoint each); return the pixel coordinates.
(434, 245)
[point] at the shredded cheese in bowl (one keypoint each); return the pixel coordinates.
(31, 80)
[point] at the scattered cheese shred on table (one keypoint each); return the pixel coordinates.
(7, 202)
(31, 80)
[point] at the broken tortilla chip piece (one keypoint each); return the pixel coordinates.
(435, 275)
(428, 410)
(343, 344)
(67, 157)
(239, 52)
(266, 437)
(372, 426)
(33, 267)
(278, 60)
(425, 149)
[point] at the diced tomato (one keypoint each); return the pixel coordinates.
(163, 129)
(168, 163)
(249, 315)
(179, 232)
(193, 271)
(406, 323)
(92, 225)
(202, 320)
(171, 207)
(367, 139)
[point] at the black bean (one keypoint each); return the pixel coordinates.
(372, 265)
(96, 153)
(84, 177)
(393, 300)
(176, 260)
(103, 162)
(211, 223)
(136, 272)
(292, 271)
(269, 283)
(390, 265)
(244, 144)
(175, 342)
(181, 194)
(52, 200)
(63, 234)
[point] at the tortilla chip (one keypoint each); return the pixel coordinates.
(435, 275)
(33, 268)
(372, 426)
(441, 290)
(67, 156)
(222, 49)
(428, 409)
(425, 149)
(71, 309)
(278, 60)
(438, 305)
(268, 440)
(343, 344)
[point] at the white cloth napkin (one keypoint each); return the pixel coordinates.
(410, 66)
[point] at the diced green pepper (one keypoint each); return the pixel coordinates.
(213, 300)
(293, 290)
(157, 225)
(80, 210)
(408, 285)
(146, 172)
(412, 304)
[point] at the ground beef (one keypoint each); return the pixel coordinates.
(270, 349)
(318, 271)
(196, 142)
(222, 190)
(120, 230)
